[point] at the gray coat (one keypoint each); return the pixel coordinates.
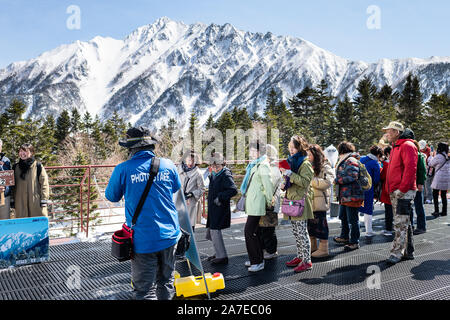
(192, 181)
(276, 181)
(441, 165)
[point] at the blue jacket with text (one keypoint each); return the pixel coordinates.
(157, 227)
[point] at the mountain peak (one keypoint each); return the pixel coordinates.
(146, 32)
(166, 69)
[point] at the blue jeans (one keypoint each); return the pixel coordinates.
(152, 274)
(420, 211)
(349, 223)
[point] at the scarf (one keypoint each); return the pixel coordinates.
(214, 174)
(24, 166)
(249, 168)
(186, 168)
(295, 161)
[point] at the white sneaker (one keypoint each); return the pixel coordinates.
(370, 234)
(247, 264)
(256, 267)
(268, 256)
(387, 233)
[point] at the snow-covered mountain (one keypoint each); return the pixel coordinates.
(21, 241)
(168, 68)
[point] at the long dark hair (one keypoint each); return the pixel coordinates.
(442, 147)
(319, 158)
(346, 147)
(300, 144)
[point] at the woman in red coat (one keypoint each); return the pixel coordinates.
(388, 214)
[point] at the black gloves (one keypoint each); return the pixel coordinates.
(188, 195)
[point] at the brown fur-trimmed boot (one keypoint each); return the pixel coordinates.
(322, 252)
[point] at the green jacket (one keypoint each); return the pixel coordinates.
(301, 181)
(260, 191)
(421, 170)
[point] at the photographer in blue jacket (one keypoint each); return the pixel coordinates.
(157, 229)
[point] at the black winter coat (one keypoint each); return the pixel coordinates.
(222, 187)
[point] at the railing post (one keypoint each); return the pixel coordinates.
(89, 201)
(81, 202)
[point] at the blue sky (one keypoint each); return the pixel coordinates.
(28, 225)
(408, 28)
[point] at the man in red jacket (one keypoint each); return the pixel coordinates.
(401, 185)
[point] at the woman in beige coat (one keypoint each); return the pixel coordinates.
(193, 187)
(322, 181)
(31, 192)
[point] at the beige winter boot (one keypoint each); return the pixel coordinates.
(313, 241)
(322, 252)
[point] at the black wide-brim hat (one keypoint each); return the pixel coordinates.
(138, 137)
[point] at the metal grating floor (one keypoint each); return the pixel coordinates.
(344, 275)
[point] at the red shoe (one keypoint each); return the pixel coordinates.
(294, 262)
(303, 267)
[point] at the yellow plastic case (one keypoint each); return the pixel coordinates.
(193, 286)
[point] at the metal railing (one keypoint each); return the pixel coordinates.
(76, 192)
(74, 196)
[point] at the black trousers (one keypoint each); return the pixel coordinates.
(436, 200)
(388, 216)
(318, 227)
(268, 239)
(252, 242)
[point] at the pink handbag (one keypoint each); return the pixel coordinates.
(293, 208)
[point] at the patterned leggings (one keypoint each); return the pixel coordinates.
(300, 231)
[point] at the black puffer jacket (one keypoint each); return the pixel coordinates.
(223, 188)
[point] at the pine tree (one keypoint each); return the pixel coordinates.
(31, 130)
(368, 112)
(271, 105)
(167, 138)
(322, 121)
(63, 125)
(255, 117)
(86, 123)
(225, 122)
(119, 124)
(98, 140)
(345, 121)
(302, 108)
(410, 103)
(193, 127)
(12, 128)
(222, 124)
(244, 122)
(209, 122)
(435, 126)
(75, 121)
(15, 111)
(389, 101)
(171, 126)
(286, 125)
(47, 144)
